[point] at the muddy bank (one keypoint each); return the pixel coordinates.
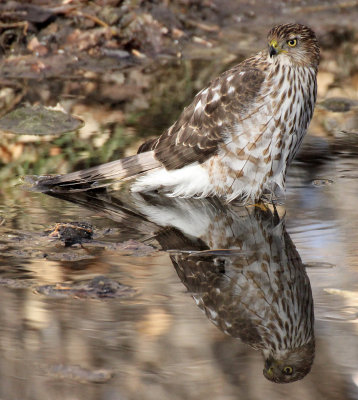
(127, 68)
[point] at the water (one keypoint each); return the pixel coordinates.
(157, 342)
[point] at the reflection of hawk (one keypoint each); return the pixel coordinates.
(257, 290)
(238, 263)
(238, 135)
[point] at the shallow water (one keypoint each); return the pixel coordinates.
(156, 342)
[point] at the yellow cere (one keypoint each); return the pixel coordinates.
(274, 43)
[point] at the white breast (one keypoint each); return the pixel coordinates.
(261, 146)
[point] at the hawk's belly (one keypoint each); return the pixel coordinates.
(230, 174)
(255, 155)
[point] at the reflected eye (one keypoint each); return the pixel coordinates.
(287, 371)
(292, 42)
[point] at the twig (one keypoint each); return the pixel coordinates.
(91, 17)
(203, 26)
(23, 24)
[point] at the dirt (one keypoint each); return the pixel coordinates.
(127, 69)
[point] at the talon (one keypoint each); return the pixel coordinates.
(262, 206)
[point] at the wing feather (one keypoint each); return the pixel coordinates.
(206, 122)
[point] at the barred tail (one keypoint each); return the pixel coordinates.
(95, 177)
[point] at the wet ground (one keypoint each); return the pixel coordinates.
(114, 296)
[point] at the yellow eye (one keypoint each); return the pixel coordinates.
(287, 371)
(292, 42)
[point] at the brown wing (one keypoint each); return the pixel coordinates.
(202, 126)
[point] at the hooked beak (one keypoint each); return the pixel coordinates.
(273, 48)
(268, 363)
(272, 51)
(268, 370)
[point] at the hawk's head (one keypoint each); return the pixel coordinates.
(295, 41)
(291, 365)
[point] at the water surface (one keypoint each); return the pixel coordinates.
(158, 342)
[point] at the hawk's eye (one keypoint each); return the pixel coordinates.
(292, 42)
(287, 370)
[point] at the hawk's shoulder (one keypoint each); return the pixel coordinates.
(204, 124)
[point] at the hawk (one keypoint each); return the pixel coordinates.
(237, 137)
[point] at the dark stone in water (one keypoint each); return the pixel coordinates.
(99, 287)
(72, 233)
(338, 104)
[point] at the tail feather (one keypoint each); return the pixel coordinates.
(96, 177)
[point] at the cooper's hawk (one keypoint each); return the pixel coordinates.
(237, 137)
